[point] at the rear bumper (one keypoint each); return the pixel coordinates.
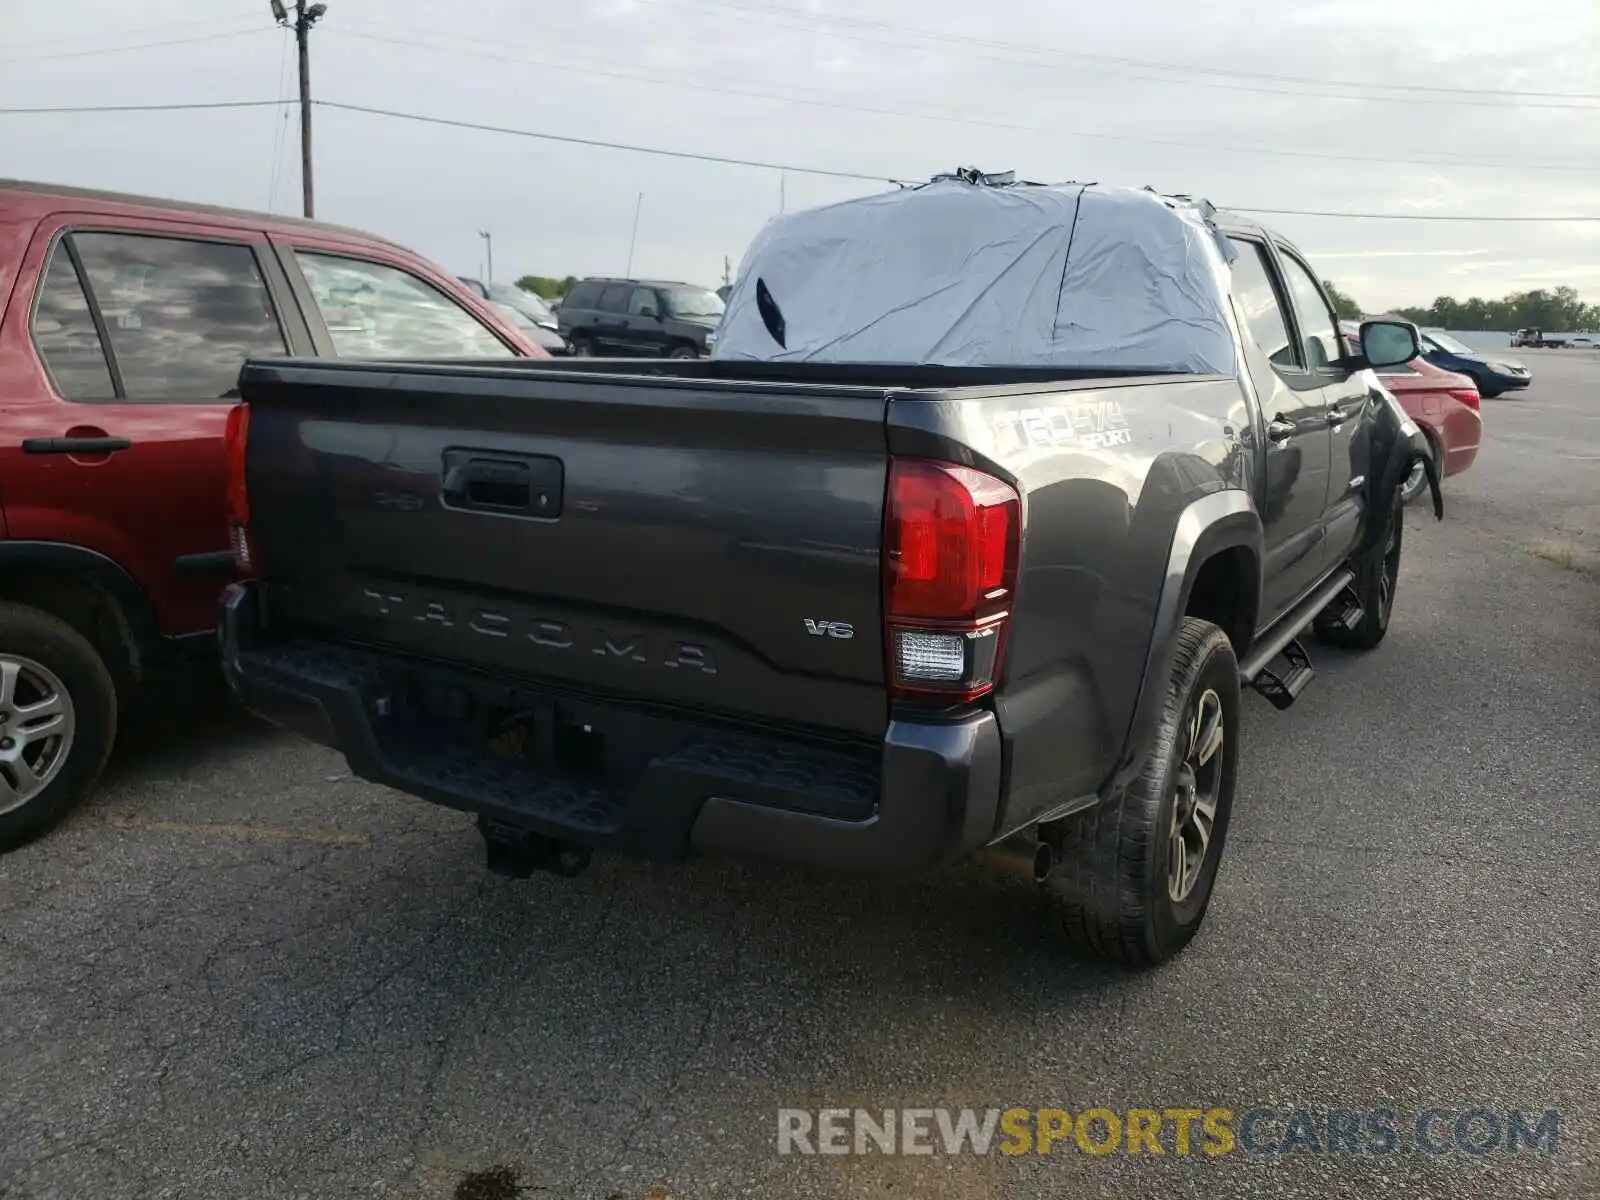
(1508, 383)
(1458, 431)
(929, 794)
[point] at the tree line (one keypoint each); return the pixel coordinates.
(547, 287)
(1558, 310)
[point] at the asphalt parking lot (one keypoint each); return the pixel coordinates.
(237, 972)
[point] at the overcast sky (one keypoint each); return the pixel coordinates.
(1021, 85)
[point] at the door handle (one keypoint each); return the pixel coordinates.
(1337, 417)
(529, 485)
(75, 445)
(1281, 430)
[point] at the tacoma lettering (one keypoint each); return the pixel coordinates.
(545, 633)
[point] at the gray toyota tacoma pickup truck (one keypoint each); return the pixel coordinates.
(853, 593)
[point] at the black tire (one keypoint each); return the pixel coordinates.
(1110, 887)
(582, 346)
(684, 350)
(1377, 579)
(48, 642)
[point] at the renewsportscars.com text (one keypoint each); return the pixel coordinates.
(1168, 1131)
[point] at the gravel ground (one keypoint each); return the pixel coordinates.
(239, 972)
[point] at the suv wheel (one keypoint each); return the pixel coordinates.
(684, 350)
(1377, 576)
(1132, 877)
(58, 718)
(582, 347)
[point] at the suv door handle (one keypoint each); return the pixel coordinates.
(1281, 430)
(1337, 417)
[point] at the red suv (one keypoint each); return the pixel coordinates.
(123, 324)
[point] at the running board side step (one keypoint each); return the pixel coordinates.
(1283, 687)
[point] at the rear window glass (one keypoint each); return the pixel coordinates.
(582, 296)
(615, 298)
(182, 315)
(64, 332)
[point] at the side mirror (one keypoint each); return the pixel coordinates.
(1389, 343)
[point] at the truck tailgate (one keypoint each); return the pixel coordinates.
(700, 544)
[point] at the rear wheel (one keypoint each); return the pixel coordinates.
(1377, 577)
(58, 718)
(582, 345)
(683, 350)
(1132, 877)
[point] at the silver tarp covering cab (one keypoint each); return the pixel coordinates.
(967, 273)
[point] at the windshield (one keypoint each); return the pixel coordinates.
(693, 302)
(513, 314)
(1445, 342)
(527, 303)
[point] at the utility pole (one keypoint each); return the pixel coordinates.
(634, 240)
(488, 250)
(305, 16)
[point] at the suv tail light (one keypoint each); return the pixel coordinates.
(1467, 396)
(951, 540)
(234, 441)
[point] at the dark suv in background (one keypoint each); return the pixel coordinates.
(639, 318)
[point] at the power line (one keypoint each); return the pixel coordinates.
(957, 118)
(819, 23)
(279, 122)
(130, 31)
(135, 108)
(725, 160)
(897, 180)
(895, 36)
(1301, 212)
(183, 41)
(604, 145)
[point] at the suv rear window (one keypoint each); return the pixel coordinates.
(181, 315)
(373, 310)
(64, 332)
(584, 295)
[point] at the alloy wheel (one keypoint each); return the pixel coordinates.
(1389, 570)
(37, 723)
(1197, 790)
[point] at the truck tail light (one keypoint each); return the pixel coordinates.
(234, 441)
(951, 542)
(1467, 396)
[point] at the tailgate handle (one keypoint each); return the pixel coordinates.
(529, 485)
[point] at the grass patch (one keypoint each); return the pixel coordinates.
(1562, 554)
